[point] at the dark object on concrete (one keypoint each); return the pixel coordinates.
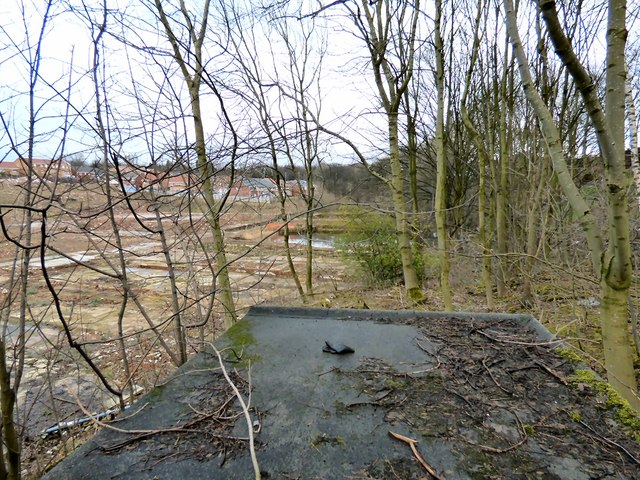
(485, 396)
(59, 427)
(337, 348)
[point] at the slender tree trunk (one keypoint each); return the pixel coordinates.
(635, 168)
(502, 182)
(213, 216)
(533, 216)
(477, 140)
(179, 333)
(310, 199)
(10, 437)
(391, 82)
(633, 136)
(411, 283)
(441, 172)
(282, 199)
(193, 82)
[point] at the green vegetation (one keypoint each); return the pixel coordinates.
(370, 240)
(624, 414)
(575, 416)
(240, 337)
(325, 439)
(569, 354)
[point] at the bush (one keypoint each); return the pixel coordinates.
(370, 239)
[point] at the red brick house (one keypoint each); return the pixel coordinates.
(177, 183)
(11, 168)
(42, 167)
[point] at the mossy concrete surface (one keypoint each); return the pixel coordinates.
(485, 395)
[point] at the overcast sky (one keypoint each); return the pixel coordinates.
(64, 92)
(65, 100)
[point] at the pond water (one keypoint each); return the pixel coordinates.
(319, 241)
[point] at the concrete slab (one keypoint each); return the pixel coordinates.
(324, 416)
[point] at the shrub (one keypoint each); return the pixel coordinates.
(370, 240)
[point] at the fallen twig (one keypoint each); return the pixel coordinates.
(139, 434)
(484, 364)
(412, 443)
(245, 409)
(328, 371)
(553, 373)
(523, 439)
(513, 342)
(610, 442)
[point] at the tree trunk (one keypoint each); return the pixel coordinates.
(532, 233)
(411, 283)
(614, 321)
(633, 137)
(502, 183)
(10, 437)
(477, 140)
(391, 82)
(179, 333)
(213, 216)
(635, 168)
(441, 171)
(212, 213)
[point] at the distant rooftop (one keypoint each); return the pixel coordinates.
(484, 395)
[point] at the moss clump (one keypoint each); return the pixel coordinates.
(240, 337)
(575, 416)
(569, 354)
(394, 384)
(624, 414)
(325, 439)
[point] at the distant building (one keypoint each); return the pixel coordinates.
(46, 168)
(148, 180)
(41, 167)
(178, 183)
(87, 172)
(13, 169)
(261, 190)
(295, 188)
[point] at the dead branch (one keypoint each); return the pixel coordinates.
(514, 342)
(484, 364)
(245, 410)
(143, 433)
(610, 442)
(551, 372)
(412, 443)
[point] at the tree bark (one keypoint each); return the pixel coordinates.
(633, 137)
(441, 170)
(477, 140)
(391, 84)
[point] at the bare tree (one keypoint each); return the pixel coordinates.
(441, 171)
(483, 160)
(189, 58)
(13, 345)
(612, 265)
(386, 28)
